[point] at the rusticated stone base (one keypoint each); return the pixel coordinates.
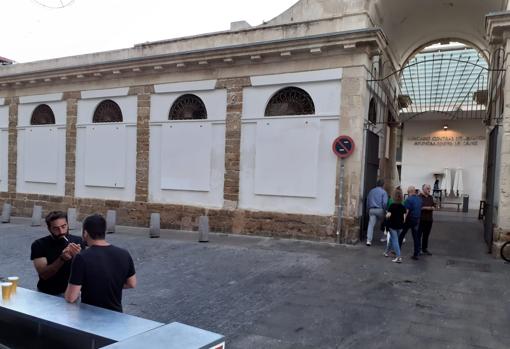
(292, 226)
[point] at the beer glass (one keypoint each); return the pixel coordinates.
(6, 290)
(14, 280)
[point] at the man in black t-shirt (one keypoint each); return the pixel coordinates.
(102, 271)
(52, 254)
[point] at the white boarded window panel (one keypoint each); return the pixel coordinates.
(286, 157)
(105, 156)
(186, 149)
(40, 148)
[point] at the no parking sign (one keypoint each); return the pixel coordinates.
(343, 146)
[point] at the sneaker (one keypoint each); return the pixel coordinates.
(426, 253)
(369, 243)
(415, 258)
(397, 260)
(383, 239)
(385, 254)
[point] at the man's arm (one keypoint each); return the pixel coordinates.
(130, 282)
(72, 293)
(46, 270)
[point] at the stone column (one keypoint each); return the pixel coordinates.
(72, 114)
(354, 107)
(142, 140)
(13, 144)
(234, 89)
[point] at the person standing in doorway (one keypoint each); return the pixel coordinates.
(377, 200)
(413, 208)
(101, 271)
(427, 210)
(396, 218)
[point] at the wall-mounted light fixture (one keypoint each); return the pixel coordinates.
(445, 127)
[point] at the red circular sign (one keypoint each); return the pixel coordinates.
(343, 146)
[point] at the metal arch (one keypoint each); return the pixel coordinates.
(465, 88)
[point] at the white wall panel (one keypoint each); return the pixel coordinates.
(106, 152)
(105, 155)
(186, 161)
(40, 155)
(41, 148)
(286, 157)
(4, 147)
(186, 156)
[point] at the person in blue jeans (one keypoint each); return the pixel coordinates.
(395, 223)
(413, 207)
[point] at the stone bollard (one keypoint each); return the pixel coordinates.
(111, 221)
(71, 219)
(6, 213)
(203, 229)
(36, 216)
(155, 225)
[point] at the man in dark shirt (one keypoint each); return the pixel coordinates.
(52, 254)
(427, 210)
(413, 207)
(101, 271)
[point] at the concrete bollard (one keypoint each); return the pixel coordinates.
(203, 229)
(111, 221)
(6, 213)
(155, 225)
(36, 216)
(71, 219)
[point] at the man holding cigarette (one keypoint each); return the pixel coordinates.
(52, 255)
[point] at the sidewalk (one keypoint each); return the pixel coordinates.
(269, 293)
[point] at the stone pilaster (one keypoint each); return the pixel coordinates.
(498, 33)
(13, 144)
(234, 89)
(143, 94)
(354, 107)
(72, 114)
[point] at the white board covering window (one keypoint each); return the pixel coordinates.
(105, 155)
(40, 160)
(186, 156)
(286, 158)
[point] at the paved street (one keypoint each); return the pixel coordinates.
(268, 293)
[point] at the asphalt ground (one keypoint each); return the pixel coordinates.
(271, 293)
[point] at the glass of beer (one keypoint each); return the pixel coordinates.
(14, 280)
(6, 290)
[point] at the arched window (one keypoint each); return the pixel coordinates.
(372, 111)
(188, 107)
(107, 111)
(290, 101)
(42, 115)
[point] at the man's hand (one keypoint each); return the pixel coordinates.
(74, 249)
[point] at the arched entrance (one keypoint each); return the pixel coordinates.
(444, 110)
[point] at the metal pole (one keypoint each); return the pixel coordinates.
(340, 200)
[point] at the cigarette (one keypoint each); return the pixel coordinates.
(66, 239)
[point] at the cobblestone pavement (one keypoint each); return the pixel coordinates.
(270, 293)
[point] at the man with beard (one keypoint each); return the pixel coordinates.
(52, 255)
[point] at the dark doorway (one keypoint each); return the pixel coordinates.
(371, 172)
(489, 187)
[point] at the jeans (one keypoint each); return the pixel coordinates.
(413, 224)
(393, 244)
(374, 214)
(425, 228)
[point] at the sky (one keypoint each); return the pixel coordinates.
(32, 32)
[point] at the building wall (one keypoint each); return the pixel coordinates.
(4, 145)
(426, 151)
(236, 95)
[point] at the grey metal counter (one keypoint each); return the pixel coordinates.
(96, 325)
(173, 336)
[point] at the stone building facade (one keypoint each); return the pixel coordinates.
(252, 173)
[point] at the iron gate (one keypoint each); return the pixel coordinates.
(371, 173)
